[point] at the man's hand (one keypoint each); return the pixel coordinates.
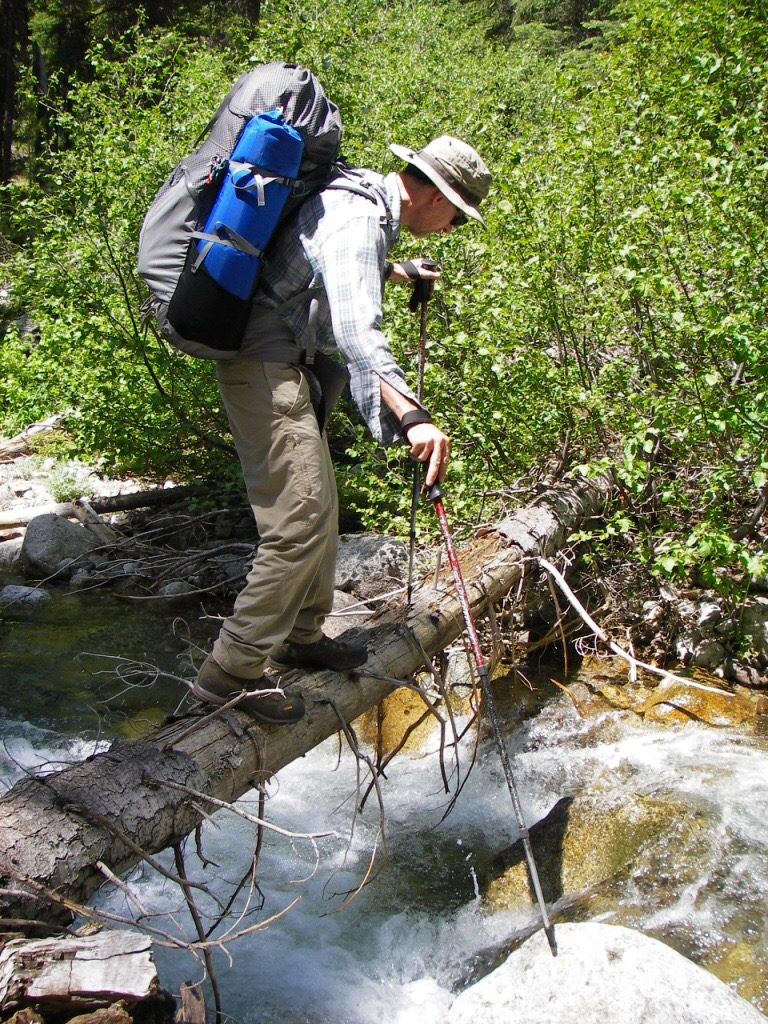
(426, 269)
(427, 442)
(431, 446)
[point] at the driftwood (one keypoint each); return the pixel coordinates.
(77, 972)
(56, 832)
(117, 503)
(23, 443)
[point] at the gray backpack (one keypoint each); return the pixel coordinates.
(194, 311)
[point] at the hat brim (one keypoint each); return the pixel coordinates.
(410, 156)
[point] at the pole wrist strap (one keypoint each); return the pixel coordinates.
(411, 418)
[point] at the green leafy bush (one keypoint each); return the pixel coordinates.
(611, 315)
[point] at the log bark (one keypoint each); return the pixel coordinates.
(54, 830)
(82, 972)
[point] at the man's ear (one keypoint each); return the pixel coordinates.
(437, 198)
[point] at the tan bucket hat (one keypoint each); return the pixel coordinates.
(453, 167)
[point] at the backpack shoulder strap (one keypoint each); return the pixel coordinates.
(353, 180)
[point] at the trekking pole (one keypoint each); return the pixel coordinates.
(435, 495)
(422, 293)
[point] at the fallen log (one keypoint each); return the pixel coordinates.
(115, 503)
(56, 830)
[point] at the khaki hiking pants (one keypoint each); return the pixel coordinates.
(292, 490)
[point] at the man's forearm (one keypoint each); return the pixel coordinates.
(396, 402)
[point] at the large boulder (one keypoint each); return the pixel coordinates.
(601, 973)
(51, 544)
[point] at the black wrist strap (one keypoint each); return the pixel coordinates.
(410, 419)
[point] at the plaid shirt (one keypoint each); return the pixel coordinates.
(338, 243)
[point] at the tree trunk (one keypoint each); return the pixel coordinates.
(55, 829)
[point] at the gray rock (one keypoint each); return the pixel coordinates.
(51, 541)
(10, 554)
(653, 613)
(708, 654)
(85, 579)
(744, 675)
(370, 564)
(601, 973)
(14, 597)
(754, 623)
(232, 566)
(710, 614)
(176, 589)
(685, 644)
(340, 619)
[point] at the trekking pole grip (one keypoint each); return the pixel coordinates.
(434, 493)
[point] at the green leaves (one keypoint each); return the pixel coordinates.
(612, 315)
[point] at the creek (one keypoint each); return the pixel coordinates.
(437, 914)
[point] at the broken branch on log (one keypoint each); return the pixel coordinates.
(88, 971)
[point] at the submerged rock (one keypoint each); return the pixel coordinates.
(14, 597)
(601, 972)
(682, 701)
(586, 841)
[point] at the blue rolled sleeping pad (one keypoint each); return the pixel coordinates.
(262, 169)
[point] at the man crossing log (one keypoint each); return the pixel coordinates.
(54, 831)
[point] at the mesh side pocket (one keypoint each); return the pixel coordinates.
(201, 310)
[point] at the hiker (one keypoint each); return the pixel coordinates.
(277, 394)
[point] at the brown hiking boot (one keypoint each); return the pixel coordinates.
(215, 686)
(338, 655)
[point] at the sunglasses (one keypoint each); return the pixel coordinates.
(458, 220)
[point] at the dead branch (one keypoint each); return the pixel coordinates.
(23, 443)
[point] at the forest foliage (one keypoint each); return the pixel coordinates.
(612, 315)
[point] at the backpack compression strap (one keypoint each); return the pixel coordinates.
(246, 178)
(223, 236)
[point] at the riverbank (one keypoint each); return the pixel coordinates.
(133, 553)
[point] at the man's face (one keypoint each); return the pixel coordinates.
(435, 216)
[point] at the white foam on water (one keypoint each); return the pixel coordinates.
(26, 748)
(396, 950)
(390, 953)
